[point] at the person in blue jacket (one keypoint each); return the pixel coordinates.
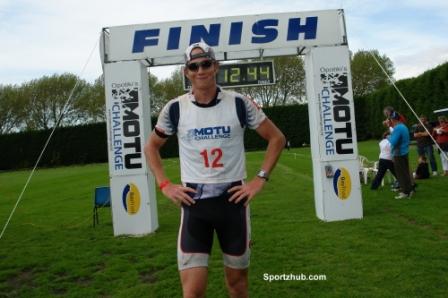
(399, 140)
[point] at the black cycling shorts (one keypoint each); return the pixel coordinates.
(199, 222)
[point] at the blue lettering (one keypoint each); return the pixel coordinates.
(210, 37)
(116, 118)
(116, 107)
(264, 31)
(309, 29)
(329, 145)
(117, 152)
(142, 38)
(262, 28)
(327, 121)
(116, 122)
(173, 38)
(235, 33)
(117, 143)
(325, 94)
(217, 132)
(117, 132)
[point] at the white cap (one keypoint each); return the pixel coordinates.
(208, 52)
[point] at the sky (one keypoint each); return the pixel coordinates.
(45, 37)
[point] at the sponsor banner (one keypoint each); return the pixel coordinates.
(332, 99)
(342, 183)
(126, 113)
(272, 33)
(134, 208)
(337, 192)
(131, 198)
(337, 189)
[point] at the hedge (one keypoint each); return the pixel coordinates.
(69, 145)
(425, 93)
(88, 143)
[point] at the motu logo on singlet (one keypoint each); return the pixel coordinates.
(207, 133)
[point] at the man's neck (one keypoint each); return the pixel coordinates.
(204, 96)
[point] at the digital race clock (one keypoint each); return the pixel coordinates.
(242, 74)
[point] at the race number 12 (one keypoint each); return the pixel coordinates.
(215, 158)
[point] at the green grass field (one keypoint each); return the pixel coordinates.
(399, 249)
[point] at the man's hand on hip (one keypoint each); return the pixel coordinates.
(248, 190)
(179, 194)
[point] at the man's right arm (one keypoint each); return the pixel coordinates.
(176, 192)
(152, 153)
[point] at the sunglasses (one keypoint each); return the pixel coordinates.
(206, 64)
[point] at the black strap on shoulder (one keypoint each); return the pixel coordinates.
(241, 111)
(174, 115)
(160, 133)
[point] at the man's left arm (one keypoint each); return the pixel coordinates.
(276, 142)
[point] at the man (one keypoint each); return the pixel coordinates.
(387, 111)
(209, 123)
(399, 140)
(424, 142)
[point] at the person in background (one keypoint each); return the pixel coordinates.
(387, 111)
(422, 136)
(422, 171)
(399, 140)
(385, 161)
(440, 133)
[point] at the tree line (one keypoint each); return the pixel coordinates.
(425, 93)
(39, 103)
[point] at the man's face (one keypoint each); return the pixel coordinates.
(423, 119)
(394, 122)
(201, 71)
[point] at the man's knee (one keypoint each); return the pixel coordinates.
(237, 282)
(194, 282)
(193, 293)
(238, 286)
(192, 290)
